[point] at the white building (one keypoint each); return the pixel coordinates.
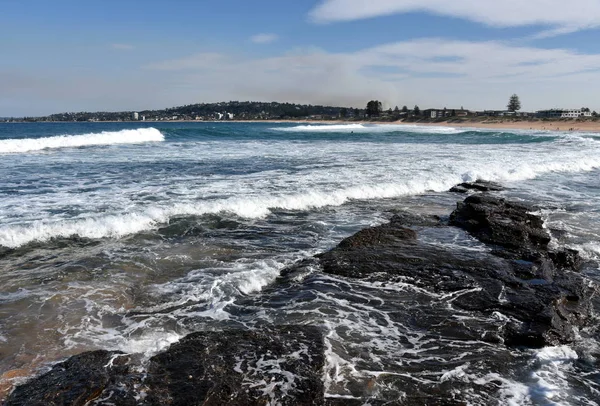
(563, 113)
(135, 116)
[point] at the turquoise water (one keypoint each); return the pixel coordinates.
(131, 235)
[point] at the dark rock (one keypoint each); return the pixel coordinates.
(496, 221)
(76, 381)
(477, 186)
(408, 219)
(535, 288)
(566, 259)
(272, 365)
(378, 235)
(282, 365)
(518, 232)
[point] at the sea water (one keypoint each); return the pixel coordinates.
(130, 235)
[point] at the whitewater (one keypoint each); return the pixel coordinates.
(13, 146)
(129, 236)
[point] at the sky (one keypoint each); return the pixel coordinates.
(66, 55)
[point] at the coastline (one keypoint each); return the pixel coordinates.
(526, 125)
(512, 125)
(574, 125)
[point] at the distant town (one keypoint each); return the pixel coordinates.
(258, 111)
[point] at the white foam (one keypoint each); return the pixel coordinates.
(135, 136)
(345, 172)
(152, 342)
(117, 225)
(550, 380)
(120, 225)
(369, 128)
(510, 393)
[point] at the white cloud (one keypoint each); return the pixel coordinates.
(264, 38)
(429, 72)
(560, 15)
(122, 47)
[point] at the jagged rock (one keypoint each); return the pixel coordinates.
(76, 381)
(477, 186)
(496, 221)
(280, 366)
(378, 235)
(534, 287)
(271, 365)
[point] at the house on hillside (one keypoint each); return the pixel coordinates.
(563, 113)
(446, 113)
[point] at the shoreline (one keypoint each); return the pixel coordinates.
(562, 126)
(519, 125)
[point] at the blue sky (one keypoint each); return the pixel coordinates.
(69, 55)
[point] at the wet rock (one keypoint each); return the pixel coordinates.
(76, 381)
(385, 234)
(566, 259)
(495, 221)
(536, 290)
(477, 186)
(271, 365)
(408, 219)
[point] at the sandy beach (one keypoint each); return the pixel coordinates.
(574, 125)
(581, 126)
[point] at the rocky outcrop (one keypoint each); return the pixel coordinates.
(278, 365)
(538, 290)
(477, 186)
(495, 221)
(76, 381)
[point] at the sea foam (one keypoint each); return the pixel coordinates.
(370, 128)
(135, 136)
(122, 224)
(117, 225)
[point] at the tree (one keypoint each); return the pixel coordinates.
(404, 109)
(356, 112)
(417, 111)
(594, 114)
(396, 110)
(343, 112)
(514, 103)
(374, 108)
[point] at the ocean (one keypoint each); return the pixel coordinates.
(129, 236)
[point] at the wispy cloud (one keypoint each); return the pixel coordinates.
(201, 61)
(264, 38)
(561, 17)
(430, 72)
(122, 47)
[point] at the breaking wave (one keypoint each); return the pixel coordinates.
(370, 128)
(135, 136)
(118, 225)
